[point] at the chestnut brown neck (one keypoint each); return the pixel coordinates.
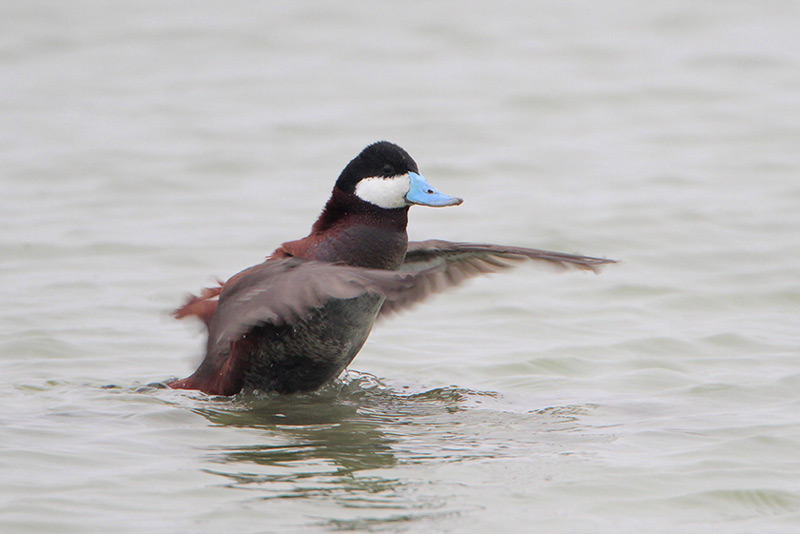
(347, 209)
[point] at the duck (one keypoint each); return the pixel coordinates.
(294, 322)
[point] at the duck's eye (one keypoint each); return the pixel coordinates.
(387, 170)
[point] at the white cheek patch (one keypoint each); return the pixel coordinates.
(387, 193)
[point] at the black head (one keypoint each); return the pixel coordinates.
(378, 159)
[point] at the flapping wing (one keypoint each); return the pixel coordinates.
(283, 291)
(442, 264)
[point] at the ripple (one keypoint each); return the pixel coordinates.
(349, 444)
(745, 503)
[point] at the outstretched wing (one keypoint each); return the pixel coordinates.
(440, 265)
(283, 291)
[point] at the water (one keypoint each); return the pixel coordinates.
(149, 146)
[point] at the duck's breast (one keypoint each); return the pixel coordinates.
(304, 355)
(361, 246)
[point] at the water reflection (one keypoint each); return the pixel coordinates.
(323, 428)
(343, 447)
(363, 447)
(347, 427)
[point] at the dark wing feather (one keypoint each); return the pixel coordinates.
(442, 264)
(284, 291)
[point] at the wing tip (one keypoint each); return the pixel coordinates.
(597, 264)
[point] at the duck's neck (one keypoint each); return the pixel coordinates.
(354, 232)
(346, 209)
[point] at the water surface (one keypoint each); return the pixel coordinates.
(148, 147)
